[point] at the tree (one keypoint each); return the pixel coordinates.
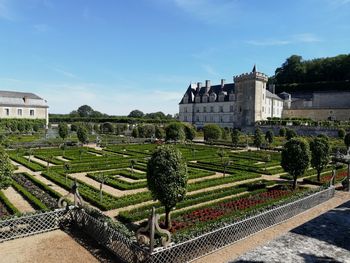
(82, 135)
(74, 127)
(159, 133)
(175, 131)
(269, 136)
(266, 159)
(295, 158)
(167, 178)
(81, 152)
(212, 132)
(225, 163)
(132, 164)
(148, 130)
(235, 137)
(107, 127)
(102, 178)
(66, 167)
(258, 138)
(49, 160)
(63, 130)
(135, 132)
(320, 155)
(190, 132)
(341, 133)
(85, 111)
(30, 153)
(290, 134)
(136, 114)
(6, 169)
(282, 132)
(347, 140)
(221, 153)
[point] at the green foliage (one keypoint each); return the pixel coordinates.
(159, 132)
(341, 133)
(295, 158)
(167, 178)
(6, 169)
(135, 132)
(107, 127)
(269, 136)
(175, 131)
(82, 135)
(347, 140)
(10, 207)
(258, 138)
(320, 155)
(211, 132)
(63, 130)
(290, 133)
(190, 132)
(235, 137)
(136, 114)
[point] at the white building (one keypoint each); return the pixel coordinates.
(20, 105)
(231, 105)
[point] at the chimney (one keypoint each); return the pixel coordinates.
(272, 88)
(199, 86)
(207, 86)
(222, 84)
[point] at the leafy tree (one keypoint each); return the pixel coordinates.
(190, 132)
(107, 127)
(266, 159)
(211, 132)
(82, 135)
(49, 160)
(341, 133)
(258, 138)
(167, 178)
(290, 134)
(320, 155)
(135, 132)
(175, 131)
(148, 130)
(136, 114)
(221, 153)
(85, 111)
(30, 153)
(132, 164)
(159, 133)
(282, 132)
(295, 158)
(235, 137)
(20, 126)
(269, 136)
(66, 168)
(96, 128)
(81, 152)
(6, 169)
(225, 163)
(74, 127)
(102, 178)
(347, 140)
(63, 130)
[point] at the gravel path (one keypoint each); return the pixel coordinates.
(232, 252)
(39, 161)
(52, 247)
(17, 200)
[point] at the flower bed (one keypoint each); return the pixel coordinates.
(6, 208)
(326, 178)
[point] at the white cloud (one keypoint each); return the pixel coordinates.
(210, 11)
(293, 39)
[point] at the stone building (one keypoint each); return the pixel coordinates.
(21, 105)
(238, 104)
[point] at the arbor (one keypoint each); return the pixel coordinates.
(212, 132)
(82, 135)
(295, 158)
(235, 137)
(258, 138)
(107, 127)
(6, 169)
(341, 133)
(63, 130)
(269, 136)
(167, 178)
(175, 131)
(136, 114)
(320, 155)
(347, 140)
(290, 134)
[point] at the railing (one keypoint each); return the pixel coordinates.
(31, 224)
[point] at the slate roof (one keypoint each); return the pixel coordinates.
(269, 94)
(21, 99)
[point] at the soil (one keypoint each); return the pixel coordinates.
(17, 200)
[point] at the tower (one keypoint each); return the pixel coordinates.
(250, 89)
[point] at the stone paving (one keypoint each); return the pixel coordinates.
(323, 239)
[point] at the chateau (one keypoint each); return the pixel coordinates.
(247, 100)
(20, 105)
(230, 105)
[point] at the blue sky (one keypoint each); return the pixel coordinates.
(120, 55)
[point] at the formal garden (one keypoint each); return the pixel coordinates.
(194, 187)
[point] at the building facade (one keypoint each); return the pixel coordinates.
(232, 105)
(20, 105)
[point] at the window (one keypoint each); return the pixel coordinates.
(19, 112)
(231, 108)
(221, 109)
(204, 109)
(31, 112)
(221, 119)
(197, 109)
(197, 118)
(185, 109)
(7, 112)
(185, 118)
(212, 109)
(263, 109)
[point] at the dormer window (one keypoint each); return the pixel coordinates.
(212, 97)
(205, 98)
(185, 99)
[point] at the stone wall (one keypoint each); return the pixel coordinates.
(342, 114)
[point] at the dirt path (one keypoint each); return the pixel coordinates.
(61, 158)
(233, 251)
(17, 200)
(52, 247)
(37, 160)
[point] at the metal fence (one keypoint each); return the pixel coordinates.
(129, 251)
(31, 224)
